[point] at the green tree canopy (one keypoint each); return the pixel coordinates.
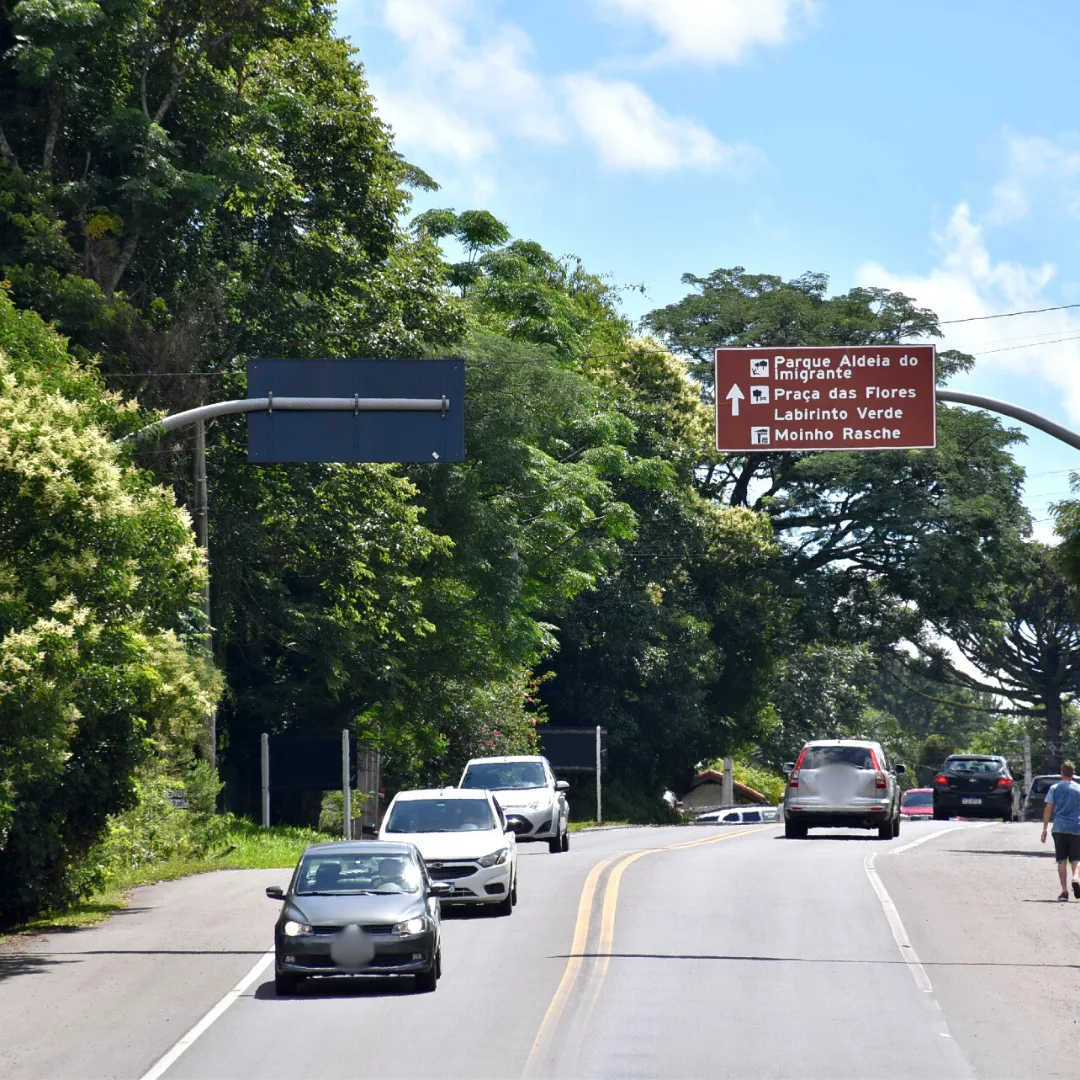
(99, 619)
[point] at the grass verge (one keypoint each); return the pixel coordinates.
(244, 846)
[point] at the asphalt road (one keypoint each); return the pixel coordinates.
(669, 952)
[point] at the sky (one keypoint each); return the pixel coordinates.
(928, 146)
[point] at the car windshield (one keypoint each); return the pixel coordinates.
(1042, 784)
(918, 798)
(440, 815)
(504, 775)
(817, 757)
(346, 875)
(973, 765)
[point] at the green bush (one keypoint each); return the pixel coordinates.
(100, 585)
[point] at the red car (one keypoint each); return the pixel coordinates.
(917, 803)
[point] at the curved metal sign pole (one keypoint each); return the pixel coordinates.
(199, 416)
(1036, 420)
(354, 404)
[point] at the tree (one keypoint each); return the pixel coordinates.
(185, 184)
(100, 654)
(1028, 651)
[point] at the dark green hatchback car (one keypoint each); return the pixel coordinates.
(358, 908)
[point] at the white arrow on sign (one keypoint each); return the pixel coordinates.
(735, 395)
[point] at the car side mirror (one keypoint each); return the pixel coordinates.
(509, 829)
(788, 767)
(441, 888)
(275, 892)
(562, 785)
(899, 769)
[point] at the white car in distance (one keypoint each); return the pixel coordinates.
(464, 839)
(526, 788)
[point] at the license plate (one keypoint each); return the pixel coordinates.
(972, 802)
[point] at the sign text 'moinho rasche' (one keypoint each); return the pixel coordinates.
(833, 398)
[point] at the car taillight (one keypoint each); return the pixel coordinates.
(879, 780)
(941, 778)
(1028, 803)
(1005, 781)
(793, 778)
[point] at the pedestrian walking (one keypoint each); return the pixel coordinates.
(1063, 804)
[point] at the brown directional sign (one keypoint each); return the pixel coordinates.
(877, 397)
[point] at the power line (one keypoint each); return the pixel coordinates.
(1007, 314)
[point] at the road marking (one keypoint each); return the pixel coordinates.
(607, 932)
(573, 964)
(939, 832)
(903, 942)
(165, 1063)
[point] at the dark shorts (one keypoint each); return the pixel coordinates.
(1067, 846)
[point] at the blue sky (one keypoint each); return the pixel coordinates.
(931, 147)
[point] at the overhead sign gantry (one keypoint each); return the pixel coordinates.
(833, 398)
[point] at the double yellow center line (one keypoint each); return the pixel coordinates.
(607, 932)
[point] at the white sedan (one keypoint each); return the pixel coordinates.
(464, 839)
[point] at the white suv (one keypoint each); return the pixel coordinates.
(525, 787)
(465, 840)
(844, 783)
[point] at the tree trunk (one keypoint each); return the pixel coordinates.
(1052, 704)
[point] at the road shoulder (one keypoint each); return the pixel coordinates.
(117, 995)
(1000, 951)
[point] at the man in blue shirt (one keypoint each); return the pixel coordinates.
(1063, 802)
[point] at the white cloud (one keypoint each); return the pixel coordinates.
(969, 282)
(713, 31)
(631, 132)
(1035, 163)
(454, 96)
(464, 86)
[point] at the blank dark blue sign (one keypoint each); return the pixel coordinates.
(285, 435)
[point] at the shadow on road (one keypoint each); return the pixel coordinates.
(13, 964)
(363, 986)
(1048, 854)
(809, 959)
(834, 837)
(468, 911)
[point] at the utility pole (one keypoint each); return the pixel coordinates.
(727, 788)
(202, 538)
(1027, 764)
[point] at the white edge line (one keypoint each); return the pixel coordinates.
(939, 832)
(903, 942)
(163, 1064)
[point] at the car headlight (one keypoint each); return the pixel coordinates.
(409, 926)
(496, 858)
(292, 928)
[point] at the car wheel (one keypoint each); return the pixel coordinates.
(506, 905)
(425, 981)
(940, 815)
(555, 844)
(794, 831)
(513, 893)
(566, 839)
(284, 985)
(896, 826)
(885, 830)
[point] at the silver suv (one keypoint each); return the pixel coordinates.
(532, 799)
(842, 783)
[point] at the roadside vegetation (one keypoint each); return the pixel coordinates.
(186, 187)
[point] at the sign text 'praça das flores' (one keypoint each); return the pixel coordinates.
(877, 397)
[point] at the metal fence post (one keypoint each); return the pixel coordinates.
(599, 811)
(265, 756)
(346, 787)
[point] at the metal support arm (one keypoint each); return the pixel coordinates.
(1006, 408)
(354, 404)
